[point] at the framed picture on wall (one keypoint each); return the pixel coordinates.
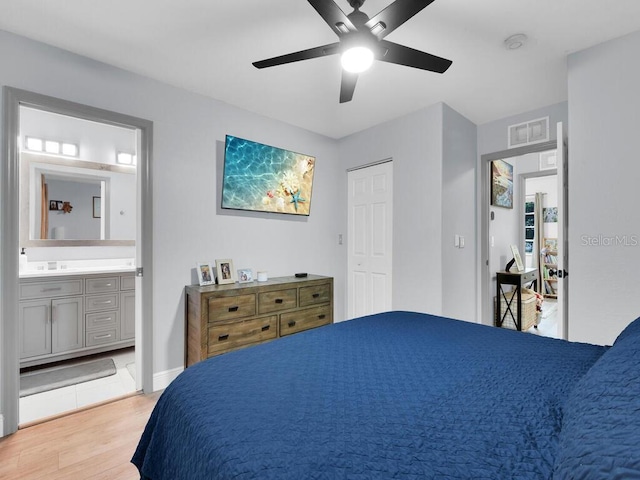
(501, 184)
(225, 271)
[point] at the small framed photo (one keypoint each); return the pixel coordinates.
(245, 275)
(517, 258)
(225, 271)
(97, 204)
(205, 274)
(53, 205)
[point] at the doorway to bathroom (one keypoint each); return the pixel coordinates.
(78, 192)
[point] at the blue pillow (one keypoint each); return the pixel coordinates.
(633, 329)
(600, 436)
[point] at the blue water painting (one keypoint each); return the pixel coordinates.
(263, 178)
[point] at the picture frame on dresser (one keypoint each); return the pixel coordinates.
(245, 275)
(205, 274)
(225, 272)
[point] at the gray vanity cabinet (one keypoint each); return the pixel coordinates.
(75, 315)
(50, 326)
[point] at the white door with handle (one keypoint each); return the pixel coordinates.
(370, 221)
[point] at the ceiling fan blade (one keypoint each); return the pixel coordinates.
(394, 53)
(395, 15)
(297, 56)
(347, 86)
(334, 16)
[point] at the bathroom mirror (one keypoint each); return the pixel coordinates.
(68, 202)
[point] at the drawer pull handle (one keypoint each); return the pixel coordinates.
(266, 327)
(100, 337)
(224, 337)
(233, 309)
(321, 317)
(103, 319)
(105, 302)
(279, 300)
(316, 295)
(292, 323)
(104, 285)
(53, 289)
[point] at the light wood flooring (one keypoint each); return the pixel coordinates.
(96, 443)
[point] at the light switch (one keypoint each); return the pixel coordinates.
(456, 241)
(461, 241)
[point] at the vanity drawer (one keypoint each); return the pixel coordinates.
(315, 295)
(102, 284)
(59, 288)
(225, 337)
(102, 320)
(128, 282)
(229, 308)
(305, 319)
(102, 337)
(95, 303)
(277, 301)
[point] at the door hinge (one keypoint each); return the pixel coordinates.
(139, 272)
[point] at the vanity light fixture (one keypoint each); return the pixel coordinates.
(52, 147)
(33, 143)
(70, 149)
(124, 158)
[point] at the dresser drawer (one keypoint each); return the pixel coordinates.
(128, 282)
(95, 303)
(102, 285)
(102, 337)
(102, 320)
(277, 301)
(225, 337)
(229, 308)
(315, 295)
(304, 319)
(59, 288)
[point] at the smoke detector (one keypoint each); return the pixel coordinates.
(515, 41)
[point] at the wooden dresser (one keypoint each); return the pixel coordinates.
(221, 318)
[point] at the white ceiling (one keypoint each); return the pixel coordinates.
(207, 46)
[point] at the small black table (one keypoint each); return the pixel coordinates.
(518, 279)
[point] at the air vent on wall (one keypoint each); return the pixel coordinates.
(527, 133)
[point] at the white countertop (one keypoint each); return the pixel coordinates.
(77, 267)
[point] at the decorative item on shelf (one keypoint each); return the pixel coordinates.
(516, 258)
(501, 184)
(205, 274)
(245, 275)
(263, 276)
(67, 207)
(225, 271)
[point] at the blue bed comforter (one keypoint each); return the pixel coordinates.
(398, 395)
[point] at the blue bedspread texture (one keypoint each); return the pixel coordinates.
(398, 395)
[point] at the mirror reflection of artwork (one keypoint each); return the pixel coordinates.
(550, 214)
(501, 184)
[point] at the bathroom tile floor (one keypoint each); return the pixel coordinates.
(61, 400)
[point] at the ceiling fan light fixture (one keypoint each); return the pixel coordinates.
(357, 59)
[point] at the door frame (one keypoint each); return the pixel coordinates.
(13, 99)
(485, 306)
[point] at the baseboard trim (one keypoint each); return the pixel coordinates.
(162, 380)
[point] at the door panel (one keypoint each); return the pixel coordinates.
(563, 264)
(370, 218)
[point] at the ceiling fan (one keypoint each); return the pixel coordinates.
(361, 41)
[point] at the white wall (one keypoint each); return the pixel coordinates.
(186, 227)
(458, 215)
(604, 225)
(433, 152)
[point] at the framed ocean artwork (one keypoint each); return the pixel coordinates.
(501, 184)
(263, 178)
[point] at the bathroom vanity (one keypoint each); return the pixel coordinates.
(66, 314)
